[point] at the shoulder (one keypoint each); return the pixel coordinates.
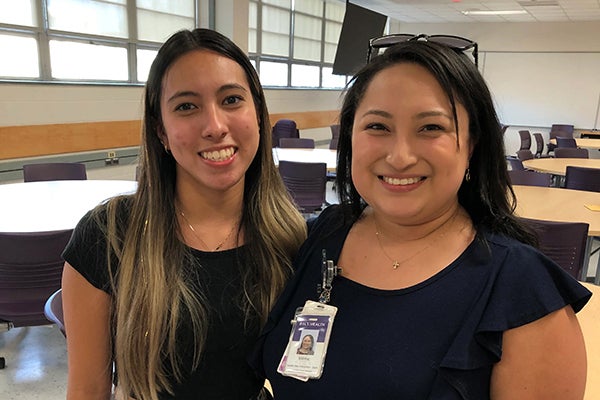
(525, 283)
(331, 218)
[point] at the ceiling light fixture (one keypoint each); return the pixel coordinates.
(507, 12)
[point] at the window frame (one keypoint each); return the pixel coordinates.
(43, 35)
(258, 57)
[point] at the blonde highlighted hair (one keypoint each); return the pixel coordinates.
(150, 289)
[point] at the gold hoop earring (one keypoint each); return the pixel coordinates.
(468, 175)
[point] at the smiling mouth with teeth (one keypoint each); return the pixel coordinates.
(400, 182)
(218, 155)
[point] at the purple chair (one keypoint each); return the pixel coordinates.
(54, 172)
(581, 178)
(529, 178)
(539, 145)
(335, 135)
(525, 155)
(284, 128)
(54, 312)
(566, 142)
(305, 183)
(31, 268)
(298, 143)
(515, 163)
(525, 140)
(570, 152)
(562, 130)
(563, 242)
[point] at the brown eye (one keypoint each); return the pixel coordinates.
(232, 100)
(185, 107)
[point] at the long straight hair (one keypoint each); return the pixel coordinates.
(152, 296)
(487, 196)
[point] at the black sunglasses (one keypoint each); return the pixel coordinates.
(454, 42)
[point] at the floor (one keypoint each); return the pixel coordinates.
(36, 359)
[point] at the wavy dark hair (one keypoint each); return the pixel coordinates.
(487, 196)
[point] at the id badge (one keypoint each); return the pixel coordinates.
(304, 355)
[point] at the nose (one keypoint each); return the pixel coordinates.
(215, 126)
(401, 152)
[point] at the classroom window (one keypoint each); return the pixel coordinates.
(21, 12)
(21, 57)
(82, 61)
(88, 40)
(297, 38)
(274, 74)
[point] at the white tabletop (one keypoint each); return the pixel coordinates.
(306, 155)
(54, 205)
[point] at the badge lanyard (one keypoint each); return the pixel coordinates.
(304, 355)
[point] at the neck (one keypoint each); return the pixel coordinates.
(203, 206)
(419, 230)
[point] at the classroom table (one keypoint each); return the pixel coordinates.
(593, 134)
(584, 142)
(306, 155)
(564, 205)
(558, 166)
(54, 205)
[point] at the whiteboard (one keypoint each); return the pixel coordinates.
(541, 89)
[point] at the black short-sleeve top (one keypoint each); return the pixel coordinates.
(223, 372)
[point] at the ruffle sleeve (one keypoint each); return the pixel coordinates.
(522, 286)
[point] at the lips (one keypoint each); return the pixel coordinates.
(218, 155)
(401, 181)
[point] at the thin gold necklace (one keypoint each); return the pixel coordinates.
(200, 239)
(395, 262)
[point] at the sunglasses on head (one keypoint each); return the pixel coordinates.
(453, 42)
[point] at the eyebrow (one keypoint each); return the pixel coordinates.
(380, 113)
(420, 115)
(228, 86)
(426, 114)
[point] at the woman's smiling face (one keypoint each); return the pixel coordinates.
(209, 120)
(407, 159)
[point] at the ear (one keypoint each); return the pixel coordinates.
(164, 139)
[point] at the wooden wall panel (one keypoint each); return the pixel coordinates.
(40, 140)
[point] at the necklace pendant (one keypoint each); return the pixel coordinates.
(396, 264)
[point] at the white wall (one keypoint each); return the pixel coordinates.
(542, 40)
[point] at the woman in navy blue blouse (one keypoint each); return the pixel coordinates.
(442, 293)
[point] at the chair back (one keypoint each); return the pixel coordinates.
(333, 144)
(298, 143)
(515, 163)
(563, 242)
(284, 128)
(306, 183)
(54, 172)
(530, 178)
(335, 131)
(580, 178)
(53, 310)
(525, 140)
(566, 142)
(539, 144)
(524, 155)
(335, 135)
(570, 152)
(31, 266)
(563, 130)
